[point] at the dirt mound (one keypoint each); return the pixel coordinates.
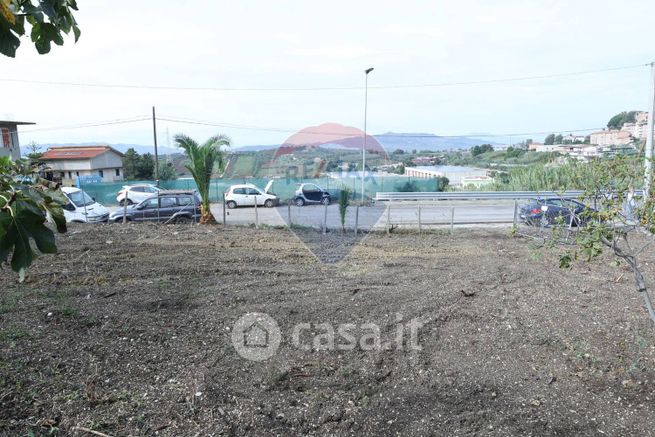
(128, 331)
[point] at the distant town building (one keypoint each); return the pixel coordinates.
(68, 163)
(570, 138)
(546, 148)
(611, 137)
(425, 160)
(423, 172)
(454, 173)
(9, 138)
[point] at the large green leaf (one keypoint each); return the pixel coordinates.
(25, 222)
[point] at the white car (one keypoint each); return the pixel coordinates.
(136, 193)
(82, 208)
(245, 195)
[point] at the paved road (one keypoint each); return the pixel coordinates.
(373, 217)
(404, 214)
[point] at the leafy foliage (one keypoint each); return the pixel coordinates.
(23, 212)
(49, 19)
(344, 202)
(202, 159)
(620, 222)
(142, 167)
(167, 171)
(621, 118)
(483, 148)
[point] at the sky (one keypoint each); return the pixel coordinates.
(243, 48)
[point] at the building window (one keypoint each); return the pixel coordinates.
(118, 172)
(77, 173)
(101, 173)
(6, 138)
(70, 175)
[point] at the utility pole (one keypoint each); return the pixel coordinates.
(154, 134)
(648, 158)
(367, 71)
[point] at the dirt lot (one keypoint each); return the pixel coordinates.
(127, 332)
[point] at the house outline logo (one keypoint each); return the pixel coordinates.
(256, 336)
(252, 335)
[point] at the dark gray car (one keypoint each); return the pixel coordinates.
(164, 207)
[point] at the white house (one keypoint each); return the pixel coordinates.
(9, 138)
(68, 163)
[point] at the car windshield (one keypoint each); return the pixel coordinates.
(80, 198)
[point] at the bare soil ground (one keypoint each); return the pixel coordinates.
(127, 332)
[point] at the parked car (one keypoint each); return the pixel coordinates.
(136, 193)
(82, 208)
(172, 206)
(553, 210)
(245, 195)
(311, 193)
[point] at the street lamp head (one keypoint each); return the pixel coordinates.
(368, 70)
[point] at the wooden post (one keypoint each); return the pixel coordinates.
(389, 219)
(256, 215)
(325, 220)
(224, 212)
(419, 219)
(289, 213)
(452, 219)
(125, 208)
(516, 209)
(356, 218)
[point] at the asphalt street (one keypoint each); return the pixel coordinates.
(374, 217)
(405, 214)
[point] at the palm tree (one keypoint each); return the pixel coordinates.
(202, 159)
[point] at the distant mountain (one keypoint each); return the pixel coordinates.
(253, 148)
(424, 141)
(391, 141)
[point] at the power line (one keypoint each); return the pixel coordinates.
(90, 124)
(344, 88)
(350, 134)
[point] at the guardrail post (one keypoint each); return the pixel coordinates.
(356, 218)
(419, 219)
(516, 215)
(256, 215)
(389, 219)
(452, 219)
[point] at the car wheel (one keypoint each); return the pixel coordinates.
(268, 203)
(231, 204)
(299, 201)
(183, 220)
(325, 201)
(544, 222)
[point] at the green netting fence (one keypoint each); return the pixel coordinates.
(285, 188)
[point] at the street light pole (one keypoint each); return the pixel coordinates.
(648, 159)
(367, 71)
(154, 134)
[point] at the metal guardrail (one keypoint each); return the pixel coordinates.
(473, 195)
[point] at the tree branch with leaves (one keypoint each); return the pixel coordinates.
(24, 211)
(49, 21)
(619, 222)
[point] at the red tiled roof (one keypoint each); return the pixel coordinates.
(77, 152)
